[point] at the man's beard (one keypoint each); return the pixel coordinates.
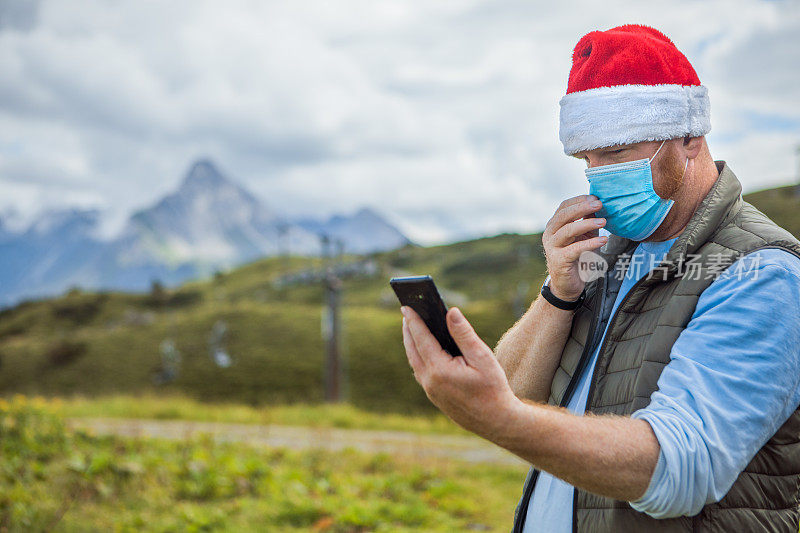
(670, 171)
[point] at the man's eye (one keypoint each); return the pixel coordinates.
(617, 151)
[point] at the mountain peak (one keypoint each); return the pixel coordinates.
(367, 213)
(203, 174)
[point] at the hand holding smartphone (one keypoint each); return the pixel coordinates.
(420, 294)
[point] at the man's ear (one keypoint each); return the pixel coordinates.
(692, 146)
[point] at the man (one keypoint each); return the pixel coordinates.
(685, 351)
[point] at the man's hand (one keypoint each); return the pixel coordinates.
(571, 231)
(472, 390)
(609, 455)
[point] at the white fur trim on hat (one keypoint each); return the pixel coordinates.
(626, 114)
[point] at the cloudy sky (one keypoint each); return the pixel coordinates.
(441, 114)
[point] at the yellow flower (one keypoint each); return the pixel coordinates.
(38, 402)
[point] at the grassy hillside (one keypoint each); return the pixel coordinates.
(99, 344)
(781, 204)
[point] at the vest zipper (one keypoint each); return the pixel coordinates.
(519, 523)
(584, 359)
(593, 382)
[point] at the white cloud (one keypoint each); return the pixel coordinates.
(444, 115)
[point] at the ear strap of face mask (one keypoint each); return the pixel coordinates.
(659, 149)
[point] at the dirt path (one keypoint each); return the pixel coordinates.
(465, 448)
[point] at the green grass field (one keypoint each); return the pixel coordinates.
(53, 479)
(343, 416)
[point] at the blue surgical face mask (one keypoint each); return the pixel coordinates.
(631, 207)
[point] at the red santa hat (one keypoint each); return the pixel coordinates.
(630, 84)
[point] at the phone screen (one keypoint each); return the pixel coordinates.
(420, 294)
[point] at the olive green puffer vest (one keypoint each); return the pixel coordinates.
(636, 348)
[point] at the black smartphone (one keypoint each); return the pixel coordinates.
(420, 294)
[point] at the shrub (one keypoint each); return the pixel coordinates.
(79, 309)
(63, 353)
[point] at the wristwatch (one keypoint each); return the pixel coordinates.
(562, 304)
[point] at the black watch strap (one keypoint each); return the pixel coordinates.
(562, 304)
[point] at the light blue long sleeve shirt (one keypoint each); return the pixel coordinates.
(733, 379)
